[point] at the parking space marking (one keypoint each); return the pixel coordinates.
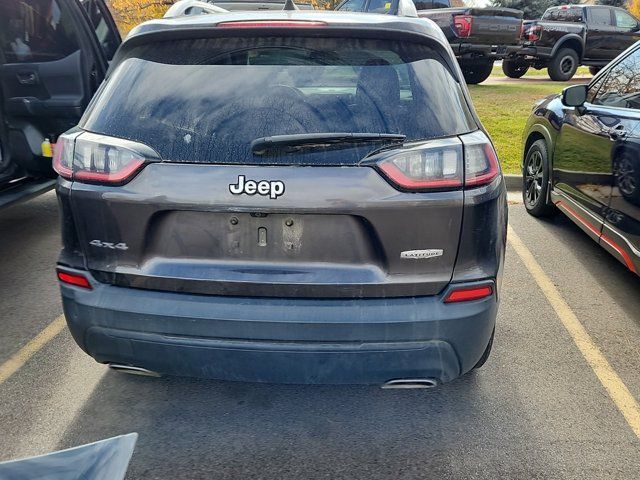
(22, 356)
(610, 380)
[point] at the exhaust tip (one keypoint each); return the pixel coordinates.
(410, 383)
(133, 370)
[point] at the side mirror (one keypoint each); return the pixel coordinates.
(574, 96)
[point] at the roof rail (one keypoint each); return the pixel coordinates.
(406, 8)
(192, 7)
(290, 5)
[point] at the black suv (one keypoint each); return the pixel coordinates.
(53, 56)
(582, 156)
(572, 35)
(287, 196)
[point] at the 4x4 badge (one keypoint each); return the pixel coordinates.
(272, 188)
(418, 254)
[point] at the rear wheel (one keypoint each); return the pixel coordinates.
(535, 180)
(628, 178)
(514, 68)
(476, 71)
(563, 65)
(487, 352)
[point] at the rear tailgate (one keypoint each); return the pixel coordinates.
(184, 231)
(490, 26)
(334, 227)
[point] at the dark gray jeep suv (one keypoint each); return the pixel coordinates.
(283, 197)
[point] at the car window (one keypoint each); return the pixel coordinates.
(594, 88)
(379, 6)
(219, 95)
(105, 35)
(572, 14)
(353, 6)
(599, 16)
(624, 20)
(36, 31)
(621, 88)
(431, 4)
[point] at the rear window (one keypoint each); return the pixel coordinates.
(206, 100)
(571, 14)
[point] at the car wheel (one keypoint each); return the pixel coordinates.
(514, 68)
(476, 71)
(594, 70)
(628, 179)
(535, 180)
(563, 65)
(487, 352)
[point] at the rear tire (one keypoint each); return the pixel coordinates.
(514, 68)
(535, 180)
(627, 178)
(563, 65)
(476, 71)
(487, 352)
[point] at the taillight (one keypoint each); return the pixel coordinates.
(534, 33)
(74, 279)
(481, 165)
(272, 24)
(468, 294)
(463, 24)
(444, 164)
(434, 165)
(92, 158)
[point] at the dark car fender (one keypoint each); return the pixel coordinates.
(544, 122)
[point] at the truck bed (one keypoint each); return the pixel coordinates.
(490, 26)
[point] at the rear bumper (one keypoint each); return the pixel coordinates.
(532, 52)
(494, 52)
(280, 340)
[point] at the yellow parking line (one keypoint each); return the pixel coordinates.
(18, 359)
(608, 377)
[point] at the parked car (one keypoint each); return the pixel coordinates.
(53, 56)
(478, 36)
(572, 35)
(582, 157)
(297, 201)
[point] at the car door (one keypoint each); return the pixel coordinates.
(600, 30)
(582, 167)
(627, 30)
(620, 93)
(104, 26)
(51, 64)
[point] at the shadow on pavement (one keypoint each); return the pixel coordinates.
(619, 283)
(192, 428)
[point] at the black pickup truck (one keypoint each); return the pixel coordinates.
(572, 35)
(478, 36)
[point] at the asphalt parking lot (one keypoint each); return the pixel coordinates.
(557, 399)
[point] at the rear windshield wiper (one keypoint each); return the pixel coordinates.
(279, 144)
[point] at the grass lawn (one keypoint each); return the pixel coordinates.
(532, 72)
(504, 109)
